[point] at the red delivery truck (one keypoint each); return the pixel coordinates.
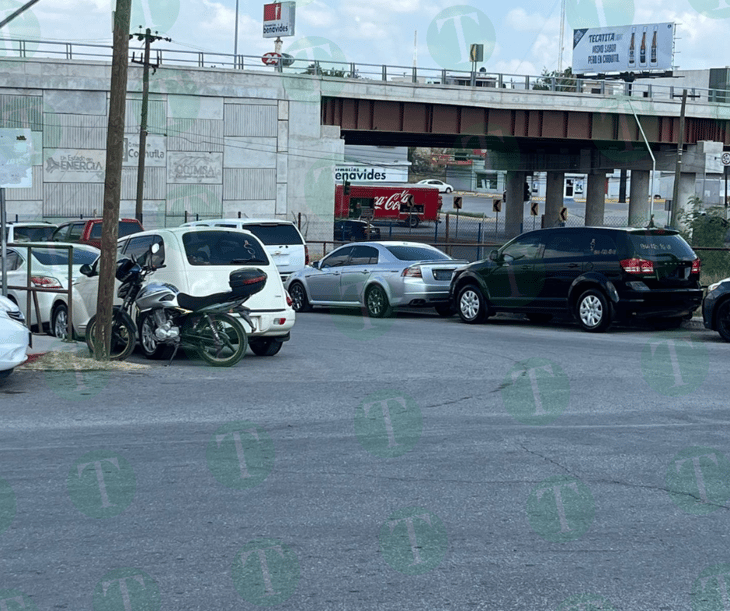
(402, 203)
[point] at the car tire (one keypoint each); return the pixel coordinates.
(539, 318)
(298, 295)
(722, 320)
(471, 304)
(376, 303)
(4, 374)
(124, 335)
(266, 346)
(593, 311)
(449, 189)
(59, 322)
(151, 348)
(413, 221)
(444, 309)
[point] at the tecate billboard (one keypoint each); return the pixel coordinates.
(279, 19)
(623, 48)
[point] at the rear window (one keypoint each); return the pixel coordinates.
(649, 244)
(222, 248)
(42, 233)
(59, 256)
(273, 234)
(125, 228)
(416, 253)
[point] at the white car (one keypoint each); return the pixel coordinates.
(14, 338)
(29, 231)
(49, 270)
(282, 240)
(198, 261)
(433, 182)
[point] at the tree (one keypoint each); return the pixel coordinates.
(556, 81)
(707, 227)
(316, 68)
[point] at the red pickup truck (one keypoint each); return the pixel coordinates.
(88, 231)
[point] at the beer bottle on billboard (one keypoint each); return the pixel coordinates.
(642, 50)
(654, 49)
(632, 48)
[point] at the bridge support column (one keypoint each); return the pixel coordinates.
(687, 186)
(515, 206)
(595, 199)
(639, 198)
(554, 198)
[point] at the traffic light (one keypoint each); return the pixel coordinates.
(347, 187)
(528, 195)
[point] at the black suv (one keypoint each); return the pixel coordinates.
(597, 274)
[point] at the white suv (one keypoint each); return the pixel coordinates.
(29, 231)
(282, 240)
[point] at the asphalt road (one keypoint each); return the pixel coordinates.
(407, 464)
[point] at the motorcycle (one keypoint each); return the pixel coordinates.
(170, 319)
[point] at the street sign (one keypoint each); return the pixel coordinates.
(271, 58)
(497, 205)
(534, 208)
(458, 201)
(279, 19)
(476, 53)
(563, 214)
(409, 200)
(726, 159)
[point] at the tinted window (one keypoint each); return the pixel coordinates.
(561, 245)
(337, 258)
(601, 245)
(59, 256)
(274, 234)
(522, 248)
(642, 245)
(125, 228)
(416, 253)
(363, 255)
(13, 260)
(140, 245)
(32, 234)
(76, 230)
(222, 248)
(61, 233)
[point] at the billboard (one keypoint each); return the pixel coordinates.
(632, 48)
(279, 19)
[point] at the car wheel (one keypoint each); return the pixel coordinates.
(265, 347)
(151, 348)
(4, 374)
(298, 295)
(722, 319)
(413, 221)
(472, 306)
(444, 309)
(593, 311)
(449, 189)
(539, 319)
(376, 302)
(59, 322)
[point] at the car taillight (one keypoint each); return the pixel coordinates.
(696, 266)
(637, 266)
(289, 301)
(306, 255)
(47, 282)
(412, 272)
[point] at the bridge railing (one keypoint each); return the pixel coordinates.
(27, 49)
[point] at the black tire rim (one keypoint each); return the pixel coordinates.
(147, 336)
(60, 323)
(376, 302)
(297, 297)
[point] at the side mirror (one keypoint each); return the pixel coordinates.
(87, 270)
(494, 255)
(317, 264)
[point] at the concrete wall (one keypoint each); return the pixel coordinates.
(220, 143)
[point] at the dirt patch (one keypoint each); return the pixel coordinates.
(73, 361)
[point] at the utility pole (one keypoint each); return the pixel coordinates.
(674, 222)
(148, 40)
(112, 181)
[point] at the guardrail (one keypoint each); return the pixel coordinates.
(26, 49)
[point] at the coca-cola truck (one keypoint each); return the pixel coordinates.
(404, 203)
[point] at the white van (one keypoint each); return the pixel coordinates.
(282, 240)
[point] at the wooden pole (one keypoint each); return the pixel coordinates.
(674, 222)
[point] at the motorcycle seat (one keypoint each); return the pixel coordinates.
(190, 302)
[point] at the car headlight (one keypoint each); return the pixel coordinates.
(712, 287)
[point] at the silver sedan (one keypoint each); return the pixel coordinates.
(379, 276)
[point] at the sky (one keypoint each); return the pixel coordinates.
(519, 37)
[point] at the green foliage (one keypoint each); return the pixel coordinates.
(316, 68)
(707, 228)
(556, 81)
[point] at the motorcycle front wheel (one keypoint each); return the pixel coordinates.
(123, 335)
(221, 345)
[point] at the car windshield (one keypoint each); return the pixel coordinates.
(222, 248)
(275, 234)
(41, 233)
(417, 253)
(653, 244)
(59, 256)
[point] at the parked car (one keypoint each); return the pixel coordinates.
(433, 182)
(29, 231)
(349, 230)
(377, 275)
(716, 308)
(198, 261)
(14, 338)
(282, 240)
(88, 231)
(599, 275)
(49, 270)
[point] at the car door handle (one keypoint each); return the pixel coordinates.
(364, 271)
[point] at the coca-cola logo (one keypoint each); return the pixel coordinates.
(393, 202)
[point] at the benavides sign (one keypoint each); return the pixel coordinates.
(279, 19)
